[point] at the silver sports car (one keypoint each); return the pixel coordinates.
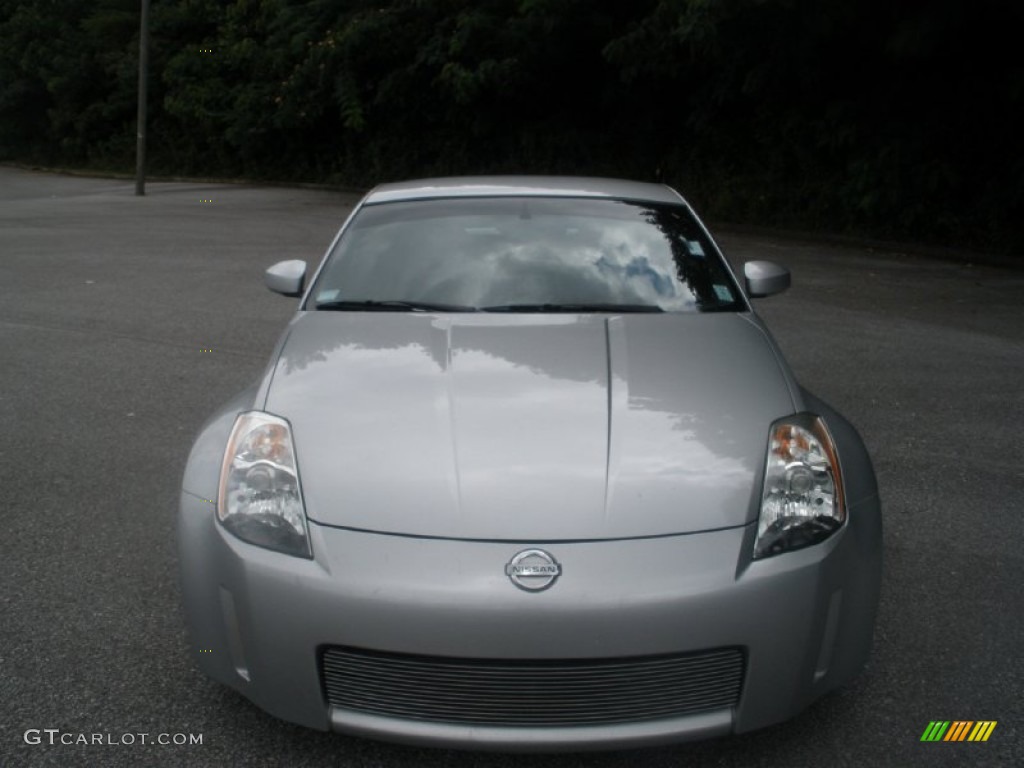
(527, 472)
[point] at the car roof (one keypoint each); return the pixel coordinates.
(514, 186)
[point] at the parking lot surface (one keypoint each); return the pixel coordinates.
(108, 305)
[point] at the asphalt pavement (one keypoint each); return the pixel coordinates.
(108, 305)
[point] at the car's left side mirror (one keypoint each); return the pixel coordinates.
(765, 278)
(286, 277)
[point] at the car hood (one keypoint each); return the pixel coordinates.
(529, 427)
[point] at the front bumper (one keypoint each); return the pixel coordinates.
(259, 620)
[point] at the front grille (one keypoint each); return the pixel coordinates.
(532, 693)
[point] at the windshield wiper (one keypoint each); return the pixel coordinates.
(572, 308)
(374, 305)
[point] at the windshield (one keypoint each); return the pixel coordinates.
(532, 254)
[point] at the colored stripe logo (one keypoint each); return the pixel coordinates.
(959, 730)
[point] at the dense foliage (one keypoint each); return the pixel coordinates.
(893, 119)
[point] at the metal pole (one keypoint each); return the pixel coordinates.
(140, 139)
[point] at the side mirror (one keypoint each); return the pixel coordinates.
(286, 277)
(765, 278)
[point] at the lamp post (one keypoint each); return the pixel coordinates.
(140, 137)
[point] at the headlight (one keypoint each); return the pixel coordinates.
(802, 498)
(260, 499)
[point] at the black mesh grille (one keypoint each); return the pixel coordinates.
(532, 693)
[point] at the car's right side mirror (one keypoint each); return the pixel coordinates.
(286, 277)
(765, 278)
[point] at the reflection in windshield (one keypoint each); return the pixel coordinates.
(482, 252)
